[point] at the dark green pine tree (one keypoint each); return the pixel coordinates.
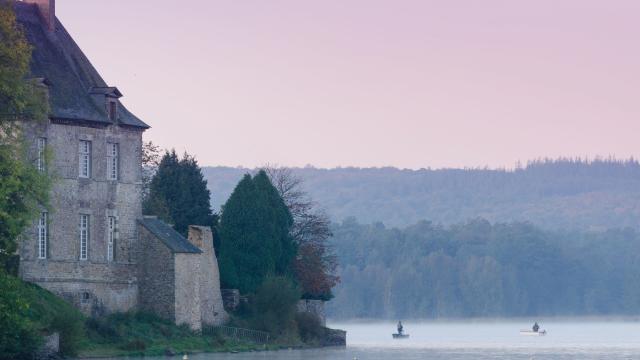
(178, 193)
(254, 230)
(278, 227)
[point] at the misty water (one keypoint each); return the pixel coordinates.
(588, 339)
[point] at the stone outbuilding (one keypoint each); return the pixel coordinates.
(178, 278)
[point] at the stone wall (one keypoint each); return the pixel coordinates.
(187, 290)
(156, 276)
(211, 306)
(334, 337)
(111, 285)
(50, 348)
(315, 307)
(230, 299)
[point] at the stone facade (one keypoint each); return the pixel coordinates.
(110, 284)
(211, 305)
(156, 276)
(187, 290)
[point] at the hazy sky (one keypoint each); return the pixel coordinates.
(372, 83)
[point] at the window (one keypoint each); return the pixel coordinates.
(84, 237)
(111, 240)
(112, 161)
(85, 158)
(113, 110)
(41, 163)
(42, 236)
(85, 297)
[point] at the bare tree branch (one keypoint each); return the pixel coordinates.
(316, 263)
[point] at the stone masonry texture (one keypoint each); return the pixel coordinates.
(110, 285)
(212, 308)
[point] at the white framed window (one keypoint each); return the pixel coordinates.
(42, 235)
(112, 161)
(84, 237)
(111, 237)
(85, 159)
(41, 162)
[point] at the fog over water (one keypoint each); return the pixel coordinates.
(482, 339)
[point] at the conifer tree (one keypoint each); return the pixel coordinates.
(178, 193)
(254, 230)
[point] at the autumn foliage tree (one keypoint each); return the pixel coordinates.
(315, 264)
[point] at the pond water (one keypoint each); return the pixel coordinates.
(588, 339)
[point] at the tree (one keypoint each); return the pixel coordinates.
(20, 97)
(255, 232)
(316, 264)
(19, 336)
(151, 156)
(178, 193)
(22, 188)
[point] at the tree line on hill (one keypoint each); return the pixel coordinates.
(479, 269)
(564, 193)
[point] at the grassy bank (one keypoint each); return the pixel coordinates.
(145, 334)
(29, 312)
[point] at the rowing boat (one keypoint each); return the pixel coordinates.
(533, 333)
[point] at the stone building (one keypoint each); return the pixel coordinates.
(172, 280)
(92, 246)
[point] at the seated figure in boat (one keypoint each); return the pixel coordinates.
(400, 328)
(536, 327)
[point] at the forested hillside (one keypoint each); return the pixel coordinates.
(477, 269)
(560, 194)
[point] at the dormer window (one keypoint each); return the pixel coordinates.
(113, 110)
(107, 95)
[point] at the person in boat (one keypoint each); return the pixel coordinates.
(536, 327)
(400, 328)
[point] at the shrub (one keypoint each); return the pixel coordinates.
(134, 345)
(106, 329)
(19, 337)
(309, 327)
(69, 323)
(273, 306)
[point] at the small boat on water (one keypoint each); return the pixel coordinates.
(533, 333)
(400, 334)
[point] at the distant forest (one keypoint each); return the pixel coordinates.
(478, 269)
(553, 237)
(566, 194)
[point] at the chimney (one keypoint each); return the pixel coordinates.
(47, 11)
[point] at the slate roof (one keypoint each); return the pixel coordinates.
(174, 241)
(76, 90)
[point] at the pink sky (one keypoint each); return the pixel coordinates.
(372, 83)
